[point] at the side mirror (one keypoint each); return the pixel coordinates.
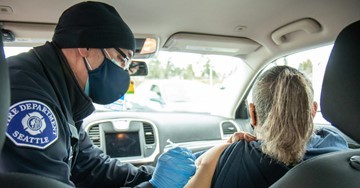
(138, 68)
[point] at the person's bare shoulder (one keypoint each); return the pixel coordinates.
(212, 155)
(206, 165)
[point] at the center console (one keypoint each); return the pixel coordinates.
(129, 140)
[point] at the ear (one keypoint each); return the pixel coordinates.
(84, 52)
(252, 114)
(314, 110)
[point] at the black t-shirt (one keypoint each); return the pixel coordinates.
(242, 164)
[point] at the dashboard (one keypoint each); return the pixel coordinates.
(140, 137)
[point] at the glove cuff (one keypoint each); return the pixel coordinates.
(153, 183)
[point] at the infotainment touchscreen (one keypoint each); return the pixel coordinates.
(125, 144)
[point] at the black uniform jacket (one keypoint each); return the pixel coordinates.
(44, 133)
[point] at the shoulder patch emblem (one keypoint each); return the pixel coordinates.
(32, 124)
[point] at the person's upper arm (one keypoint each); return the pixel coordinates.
(36, 138)
(206, 165)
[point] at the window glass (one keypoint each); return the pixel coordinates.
(10, 51)
(177, 81)
(186, 82)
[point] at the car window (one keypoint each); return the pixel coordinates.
(185, 82)
(11, 51)
(177, 81)
(312, 63)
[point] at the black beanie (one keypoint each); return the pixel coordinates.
(93, 25)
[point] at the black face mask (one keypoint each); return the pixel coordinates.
(107, 83)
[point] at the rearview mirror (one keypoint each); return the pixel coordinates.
(146, 47)
(138, 68)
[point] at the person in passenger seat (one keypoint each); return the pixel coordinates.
(282, 116)
(52, 90)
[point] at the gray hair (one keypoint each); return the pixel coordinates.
(283, 99)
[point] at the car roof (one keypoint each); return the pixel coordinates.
(250, 19)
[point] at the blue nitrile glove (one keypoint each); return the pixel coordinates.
(174, 168)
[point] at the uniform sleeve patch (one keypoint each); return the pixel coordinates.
(32, 124)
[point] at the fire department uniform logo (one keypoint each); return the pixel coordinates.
(32, 124)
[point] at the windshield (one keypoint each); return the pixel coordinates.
(184, 82)
(177, 81)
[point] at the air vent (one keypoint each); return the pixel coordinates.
(228, 128)
(94, 134)
(149, 133)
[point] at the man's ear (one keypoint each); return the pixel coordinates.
(314, 110)
(252, 114)
(84, 52)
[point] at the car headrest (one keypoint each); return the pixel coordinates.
(340, 95)
(5, 93)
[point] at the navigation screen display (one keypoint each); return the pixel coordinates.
(125, 144)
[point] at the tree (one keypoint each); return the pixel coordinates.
(208, 72)
(306, 67)
(188, 73)
(155, 69)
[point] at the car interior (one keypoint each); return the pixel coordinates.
(230, 43)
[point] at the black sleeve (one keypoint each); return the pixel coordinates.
(93, 168)
(49, 161)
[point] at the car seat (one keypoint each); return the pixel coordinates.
(16, 179)
(340, 105)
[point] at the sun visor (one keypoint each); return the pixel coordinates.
(210, 44)
(35, 34)
(27, 34)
